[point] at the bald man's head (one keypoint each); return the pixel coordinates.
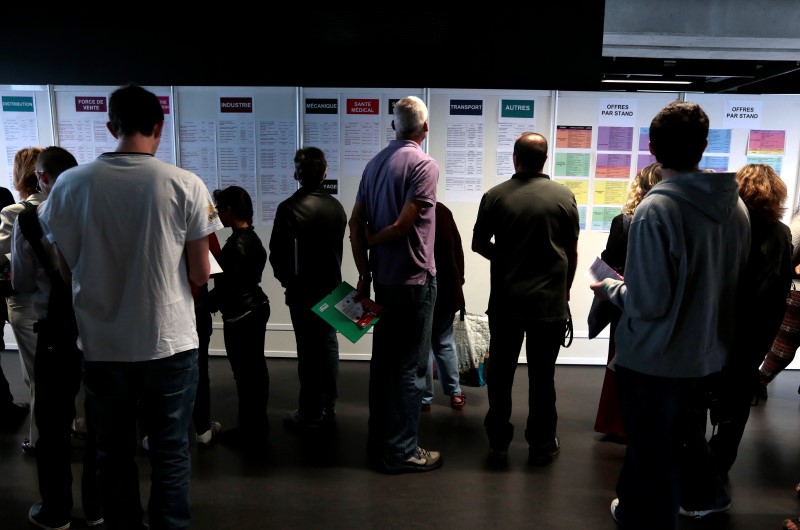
(530, 152)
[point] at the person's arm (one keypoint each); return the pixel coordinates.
(197, 260)
(483, 246)
(7, 219)
(23, 263)
(571, 249)
(282, 249)
(358, 245)
(402, 225)
(63, 268)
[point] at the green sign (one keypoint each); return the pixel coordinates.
(516, 108)
(17, 103)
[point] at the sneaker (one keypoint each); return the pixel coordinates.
(294, 419)
(41, 519)
(542, 458)
(145, 444)
(205, 438)
(94, 522)
(699, 514)
(614, 507)
(425, 407)
(421, 460)
(457, 401)
(28, 448)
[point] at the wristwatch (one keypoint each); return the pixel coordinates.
(365, 277)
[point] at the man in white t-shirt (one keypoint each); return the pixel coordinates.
(131, 230)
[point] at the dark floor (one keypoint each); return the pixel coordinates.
(323, 482)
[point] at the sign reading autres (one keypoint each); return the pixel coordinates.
(516, 108)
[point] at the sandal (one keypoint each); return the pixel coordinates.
(457, 401)
(791, 524)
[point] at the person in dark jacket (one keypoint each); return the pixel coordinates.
(449, 256)
(764, 289)
(306, 257)
(245, 312)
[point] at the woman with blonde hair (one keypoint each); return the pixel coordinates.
(609, 416)
(21, 314)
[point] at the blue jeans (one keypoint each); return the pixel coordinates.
(443, 353)
(400, 349)
(542, 344)
(317, 362)
(161, 392)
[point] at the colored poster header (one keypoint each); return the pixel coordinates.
(91, 104)
(17, 103)
(322, 106)
(244, 105)
(466, 107)
(363, 106)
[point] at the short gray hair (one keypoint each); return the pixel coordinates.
(410, 115)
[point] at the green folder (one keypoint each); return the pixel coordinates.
(326, 309)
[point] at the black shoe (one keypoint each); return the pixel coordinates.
(42, 519)
(759, 393)
(543, 458)
(497, 458)
(295, 420)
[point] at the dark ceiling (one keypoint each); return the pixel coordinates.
(710, 76)
(556, 47)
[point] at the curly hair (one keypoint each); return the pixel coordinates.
(762, 190)
(642, 183)
(24, 172)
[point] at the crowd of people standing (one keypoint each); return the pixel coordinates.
(134, 331)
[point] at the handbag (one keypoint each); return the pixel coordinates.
(471, 336)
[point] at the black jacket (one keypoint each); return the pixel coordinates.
(236, 290)
(306, 245)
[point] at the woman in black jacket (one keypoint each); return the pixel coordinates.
(245, 312)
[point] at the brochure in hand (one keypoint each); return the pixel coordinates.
(351, 317)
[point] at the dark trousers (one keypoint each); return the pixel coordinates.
(201, 416)
(58, 372)
(668, 463)
(542, 346)
(317, 362)
(244, 344)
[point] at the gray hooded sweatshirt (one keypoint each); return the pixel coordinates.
(687, 246)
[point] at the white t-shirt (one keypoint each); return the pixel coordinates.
(122, 222)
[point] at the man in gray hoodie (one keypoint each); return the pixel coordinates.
(688, 245)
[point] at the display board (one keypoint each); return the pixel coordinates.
(26, 120)
(247, 136)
